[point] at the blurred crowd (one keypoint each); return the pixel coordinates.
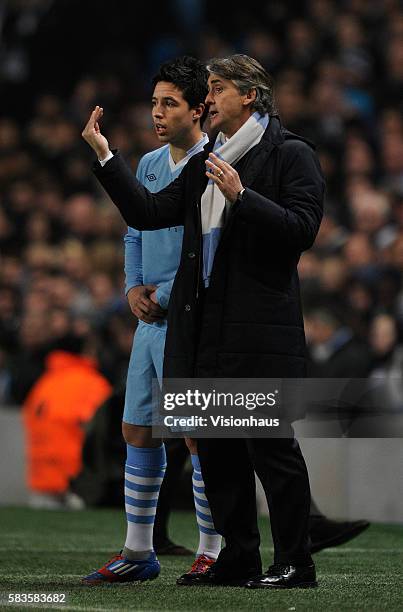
(338, 69)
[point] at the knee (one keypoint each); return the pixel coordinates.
(191, 443)
(137, 435)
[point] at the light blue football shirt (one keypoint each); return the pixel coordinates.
(152, 257)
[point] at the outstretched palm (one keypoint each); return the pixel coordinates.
(92, 134)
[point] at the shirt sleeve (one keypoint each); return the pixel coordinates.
(133, 259)
(294, 223)
(139, 207)
(163, 293)
(106, 159)
(133, 249)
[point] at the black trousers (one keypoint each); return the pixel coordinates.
(228, 469)
(177, 454)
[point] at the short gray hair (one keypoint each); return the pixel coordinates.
(246, 73)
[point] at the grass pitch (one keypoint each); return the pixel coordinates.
(48, 552)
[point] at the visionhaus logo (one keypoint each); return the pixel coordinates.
(220, 421)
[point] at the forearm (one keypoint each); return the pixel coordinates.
(140, 208)
(133, 259)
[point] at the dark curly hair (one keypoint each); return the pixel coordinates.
(189, 75)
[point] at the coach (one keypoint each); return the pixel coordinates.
(249, 210)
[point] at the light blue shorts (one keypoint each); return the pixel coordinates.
(146, 361)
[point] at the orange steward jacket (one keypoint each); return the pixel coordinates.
(55, 411)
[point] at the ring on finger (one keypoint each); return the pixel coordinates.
(220, 173)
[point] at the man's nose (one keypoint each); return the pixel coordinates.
(209, 99)
(157, 111)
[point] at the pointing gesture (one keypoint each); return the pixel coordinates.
(92, 134)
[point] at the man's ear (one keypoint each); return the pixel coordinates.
(249, 97)
(198, 112)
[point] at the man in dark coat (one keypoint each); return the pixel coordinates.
(248, 323)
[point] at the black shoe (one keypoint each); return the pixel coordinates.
(200, 566)
(169, 548)
(217, 576)
(325, 532)
(280, 576)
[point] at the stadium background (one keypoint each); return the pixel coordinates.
(339, 75)
(338, 69)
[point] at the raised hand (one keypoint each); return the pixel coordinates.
(92, 134)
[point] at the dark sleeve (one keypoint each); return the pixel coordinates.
(295, 220)
(139, 207)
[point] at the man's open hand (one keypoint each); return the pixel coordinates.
(92, 134)
(142, 306)
(224, 176)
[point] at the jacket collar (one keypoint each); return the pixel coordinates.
(274, 132)
(258, 156)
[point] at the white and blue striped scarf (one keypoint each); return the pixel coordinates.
(213, 203)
